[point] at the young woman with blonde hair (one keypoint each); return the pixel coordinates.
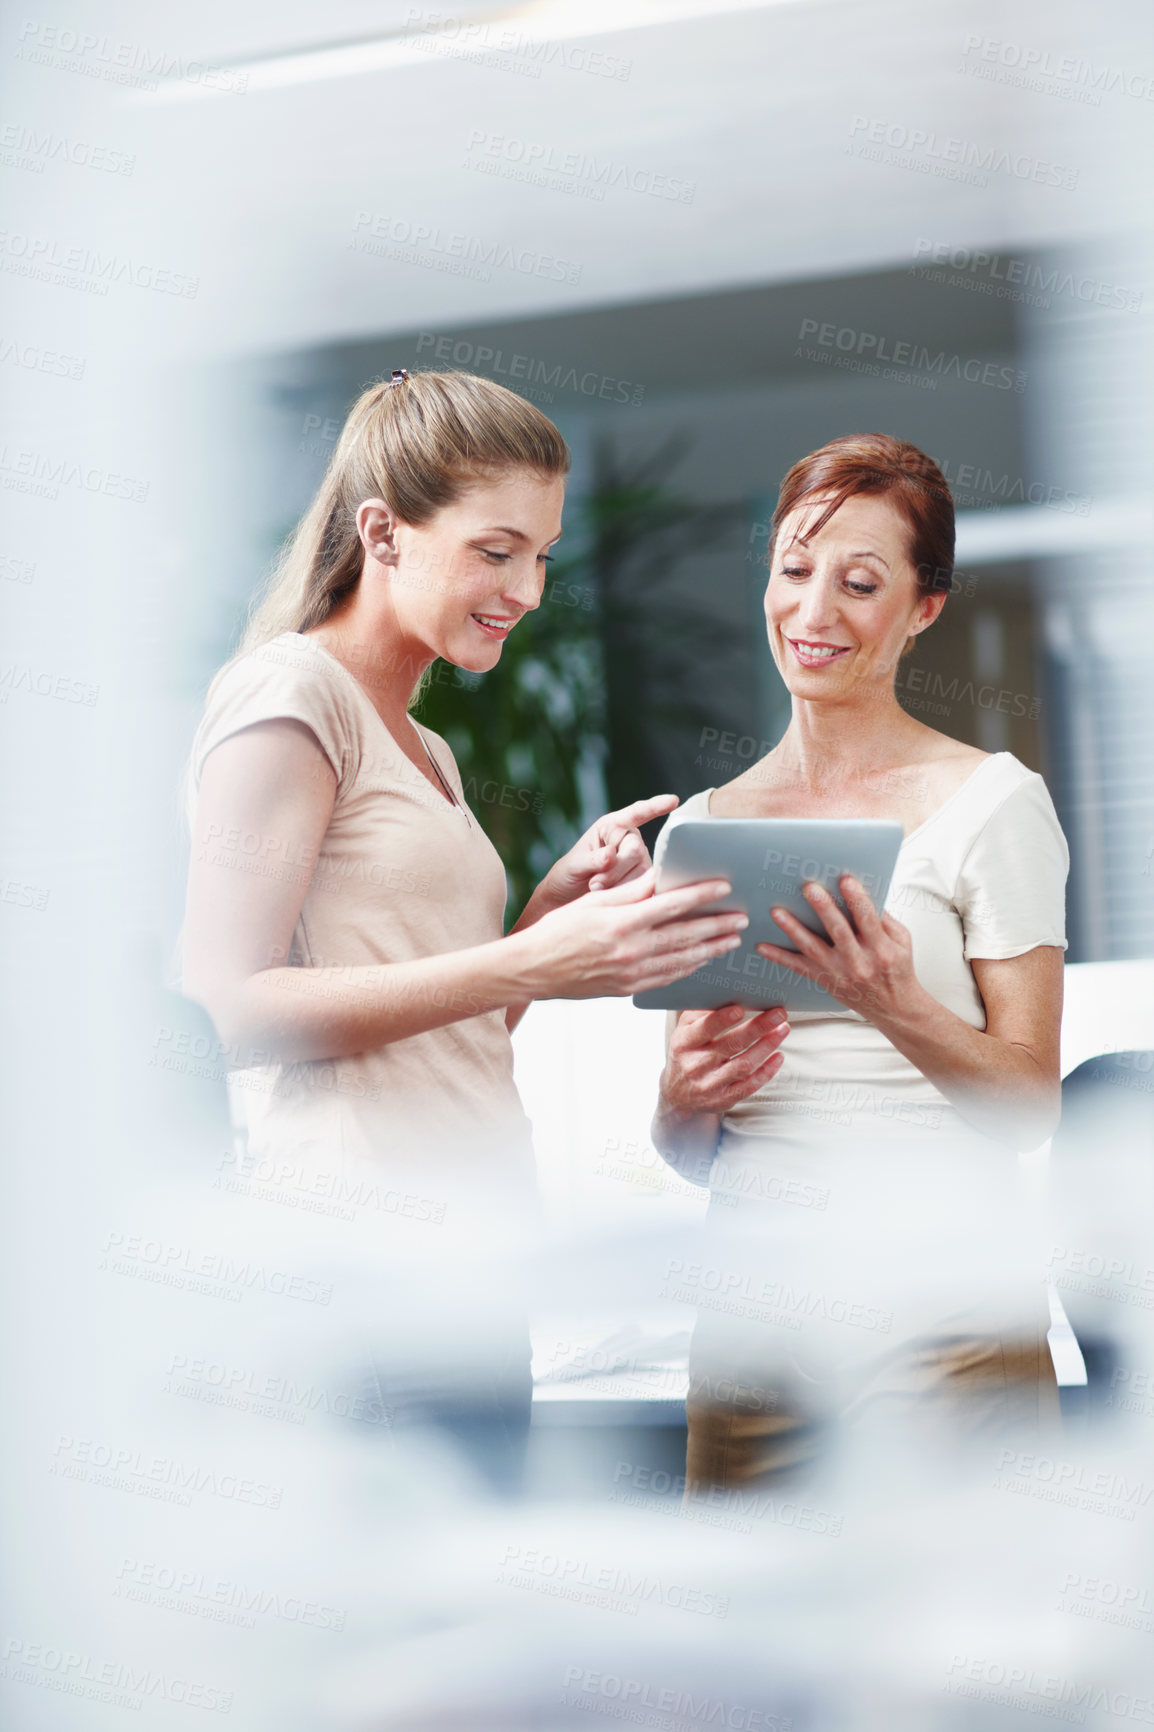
(344, 923)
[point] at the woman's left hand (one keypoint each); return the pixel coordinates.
(868, 965)
(611, 852)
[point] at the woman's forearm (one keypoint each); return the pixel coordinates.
(289, 1014)
(999, 1087)
(542, 901)
(688, 1141)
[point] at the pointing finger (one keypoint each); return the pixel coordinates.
(644, 811)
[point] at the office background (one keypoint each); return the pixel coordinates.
(705, 236)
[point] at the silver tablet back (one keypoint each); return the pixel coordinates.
(767, 860)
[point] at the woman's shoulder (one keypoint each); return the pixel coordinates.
(1001, 807)
(952, 772)
(288, 668)
(287, 678)
(995, 775)
(289, 655)
(1019, 792)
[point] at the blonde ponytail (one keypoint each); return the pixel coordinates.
(417, 442)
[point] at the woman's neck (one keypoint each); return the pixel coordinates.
(378, 655)
(827, 741)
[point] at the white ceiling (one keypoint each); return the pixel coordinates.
(256, 194)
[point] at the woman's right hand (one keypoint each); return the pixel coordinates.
(610, 943)
(716, 1059)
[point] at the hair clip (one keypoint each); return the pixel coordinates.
(400, 374)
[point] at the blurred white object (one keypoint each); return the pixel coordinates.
(1109, 1007)
(588, 1072)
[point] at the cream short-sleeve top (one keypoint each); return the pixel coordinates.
(401, 874)
(984, 876)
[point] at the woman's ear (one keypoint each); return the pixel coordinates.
(377, 528)
(929, 607)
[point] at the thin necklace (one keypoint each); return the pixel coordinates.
(464, 810)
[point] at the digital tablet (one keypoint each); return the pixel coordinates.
(767, 860)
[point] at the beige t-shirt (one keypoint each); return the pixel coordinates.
(401, 874)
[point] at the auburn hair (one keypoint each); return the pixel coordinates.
(877, 463)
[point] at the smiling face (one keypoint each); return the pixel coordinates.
(459, 583)
(840, 605)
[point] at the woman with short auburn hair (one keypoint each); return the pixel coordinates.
(941, 1052)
